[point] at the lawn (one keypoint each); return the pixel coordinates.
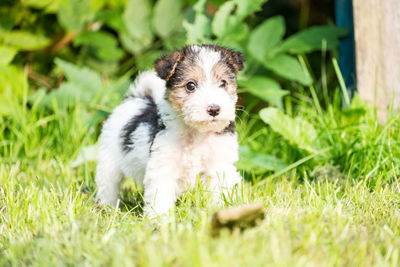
(339, 205)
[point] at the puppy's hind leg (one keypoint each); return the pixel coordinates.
(108, 179)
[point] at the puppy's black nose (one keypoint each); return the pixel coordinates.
(213, 110)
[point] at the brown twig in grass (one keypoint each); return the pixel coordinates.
(69, 37)
(37, 77)
(40, 79)
(63, 42)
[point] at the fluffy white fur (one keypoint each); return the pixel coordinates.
(170, 164)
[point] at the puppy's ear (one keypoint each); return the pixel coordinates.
(235, 59)
(165, 66)
(232, 58)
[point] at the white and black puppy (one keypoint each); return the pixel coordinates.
(178, 124)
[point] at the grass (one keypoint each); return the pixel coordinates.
(313, 223)
(339, 208)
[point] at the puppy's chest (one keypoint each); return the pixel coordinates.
(196, 155)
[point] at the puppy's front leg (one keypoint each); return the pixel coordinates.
(160, 186)
(223, 181)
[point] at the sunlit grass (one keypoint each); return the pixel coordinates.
(309, 223)
(340, 207)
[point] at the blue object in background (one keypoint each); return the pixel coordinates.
(347, 57)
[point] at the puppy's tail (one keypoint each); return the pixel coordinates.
(148, 84)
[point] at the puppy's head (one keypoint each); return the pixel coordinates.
(201, 84)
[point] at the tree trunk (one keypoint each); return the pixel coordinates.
(377, 36)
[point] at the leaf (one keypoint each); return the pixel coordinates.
(86, 79)
(223, 18)
(136, 18)
(49, 6)
(104, 43)
(246, 7)
(288, 67)
(96, 5)
(112, 18)
(352, 116)
(6, 55)
(265, 37)
(67, 95)
(38, 4)
(53, 7)
(166, 16)
(82, 86)
(74, 14)
(227, 23)
(145, 61)
(234, 38)
(311, 39)
(130, 44)
(171, 44)
(253, 161)
(199, 30)
(24, 40)
(265, 88)
(297, 131)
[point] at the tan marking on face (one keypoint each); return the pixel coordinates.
(221, 72)
(192, 73)
(177, 98)
(178, 94)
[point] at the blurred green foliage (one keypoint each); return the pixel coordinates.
(114, 37)
(74, 52)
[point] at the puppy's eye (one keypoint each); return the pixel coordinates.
(190, 86)
(223, 84)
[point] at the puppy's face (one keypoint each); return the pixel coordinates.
(201, 83)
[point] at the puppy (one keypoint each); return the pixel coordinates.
(177, 124)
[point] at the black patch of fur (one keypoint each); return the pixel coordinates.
(230, 129)
(150, 116)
